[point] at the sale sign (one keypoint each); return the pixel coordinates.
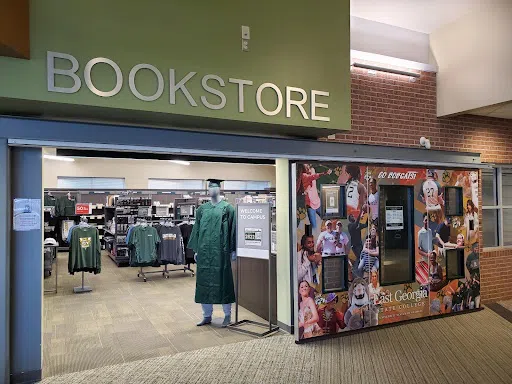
(83, 209)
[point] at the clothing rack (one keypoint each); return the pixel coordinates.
(83, 288)
(165, 271)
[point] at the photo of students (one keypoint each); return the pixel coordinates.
(471, 221)
(341, 240)
(432, 196)
(442, 239)
(425, 248)
(457, 298)
(369, 258)
(373, 202)
(331, 320)
(308, 261)
(435, 273)
(374, 288)
(308, 314)
(327, 240)
(306, 185)
(474, 299)
(355, 190)
(354, 229)
(473, 261)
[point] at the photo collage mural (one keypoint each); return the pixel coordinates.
(383, 244)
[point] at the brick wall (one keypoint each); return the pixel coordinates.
(390, 110)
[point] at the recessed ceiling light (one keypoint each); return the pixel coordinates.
(180, 162)
(59, 158)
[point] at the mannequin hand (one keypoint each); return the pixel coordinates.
(233, 256)
(195, 257)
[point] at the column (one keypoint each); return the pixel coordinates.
(5, 219)
(26, 271)
(283, 262)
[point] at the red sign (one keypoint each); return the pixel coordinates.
(83, 209)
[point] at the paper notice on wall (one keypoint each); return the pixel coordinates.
(394, 218)
(26, 214)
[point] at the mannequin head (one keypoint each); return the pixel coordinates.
(214, 189)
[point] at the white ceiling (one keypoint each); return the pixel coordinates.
(417, 15)
(503, 110)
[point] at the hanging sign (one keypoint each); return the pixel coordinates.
(83, 209)
(394, 218)
(26, 214)
(253, 230)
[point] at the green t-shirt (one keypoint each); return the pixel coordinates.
(85, 250)
(144, 240)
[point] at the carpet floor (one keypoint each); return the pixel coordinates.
(124, 319)
(470, 348)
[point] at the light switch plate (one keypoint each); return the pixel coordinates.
(246, 32)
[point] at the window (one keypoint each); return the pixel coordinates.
(245, 185)
(90, 182)
(454, 263)
(334, 273)
(453, 201)
(176, 184)
(497, 206)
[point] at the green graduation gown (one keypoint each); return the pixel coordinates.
(213, 238)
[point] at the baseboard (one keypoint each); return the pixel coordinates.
(389, 325)
(27, 377)
(284, 327)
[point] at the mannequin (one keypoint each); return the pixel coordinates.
(213, 240)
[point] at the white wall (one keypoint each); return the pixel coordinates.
(474, 56)
(137, 172)
(388, 40)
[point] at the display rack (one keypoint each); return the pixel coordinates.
(126, 211)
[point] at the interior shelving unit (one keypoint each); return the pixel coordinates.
(176, 205)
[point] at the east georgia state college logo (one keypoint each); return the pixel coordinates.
(85, 242)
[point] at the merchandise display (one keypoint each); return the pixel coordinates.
(144, 239)
(170, 249)
(214, 240)
(84, 249)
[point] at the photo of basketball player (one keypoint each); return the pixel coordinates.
(355, 190)
(432, 195)
(373, 203)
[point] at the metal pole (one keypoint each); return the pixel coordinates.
(269, 265)
(237, 272)
(82, 279)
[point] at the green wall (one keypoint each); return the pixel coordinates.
(297, 43)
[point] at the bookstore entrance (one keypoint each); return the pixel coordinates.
(128, 292)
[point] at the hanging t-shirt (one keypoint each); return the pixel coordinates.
(65, 206)
(186, 231)
(85, 250)
(170, 249)
(144, 239)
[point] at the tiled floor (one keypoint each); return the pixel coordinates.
(124, 319)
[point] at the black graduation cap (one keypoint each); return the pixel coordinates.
(214, 183)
